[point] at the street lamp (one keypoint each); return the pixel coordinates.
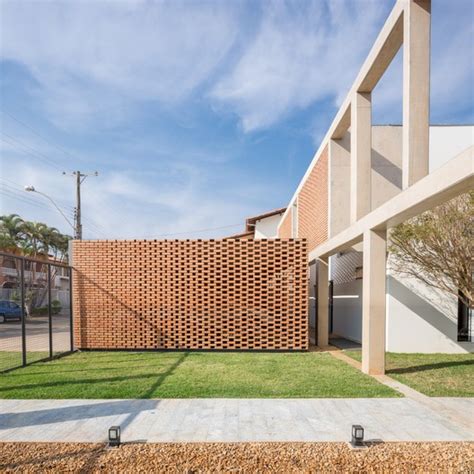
(31, 189)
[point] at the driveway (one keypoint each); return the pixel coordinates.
(37, 334)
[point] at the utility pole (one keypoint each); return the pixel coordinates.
(80, 178)
(78, 235)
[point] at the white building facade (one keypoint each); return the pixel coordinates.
(419, 318)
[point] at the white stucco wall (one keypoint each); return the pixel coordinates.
(267, 228)
(419, 318)
(448, 141)
(347, 310)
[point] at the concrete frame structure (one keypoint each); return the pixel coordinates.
(359, 217)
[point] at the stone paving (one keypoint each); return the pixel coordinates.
(172, 420)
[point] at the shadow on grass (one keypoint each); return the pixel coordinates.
(434, 366)
(160, 379)
(131, 408)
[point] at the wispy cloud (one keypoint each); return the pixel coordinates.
(199, 113)
(299, 56)
(97, 56)
(166, 198)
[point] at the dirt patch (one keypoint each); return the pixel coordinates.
(236, 457)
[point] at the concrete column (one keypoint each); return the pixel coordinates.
(416, 90)
(323, 303)
(339, 205)
(361, 149)
(373, 302)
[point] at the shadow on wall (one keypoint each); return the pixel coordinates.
(424, 309)
(387, 169)
(81, 280)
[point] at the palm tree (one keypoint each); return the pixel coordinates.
(11, 232)
(37, 240)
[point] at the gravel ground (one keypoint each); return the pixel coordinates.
(236, 457)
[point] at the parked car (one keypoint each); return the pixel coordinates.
(9, 310)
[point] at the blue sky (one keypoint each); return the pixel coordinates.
(196, 114)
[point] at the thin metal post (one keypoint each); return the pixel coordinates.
(331, 306)
(71, 319)
(23, 315)
(316, 305)
(50, 314)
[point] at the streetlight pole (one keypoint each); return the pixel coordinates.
(77, 226)
(32, 189)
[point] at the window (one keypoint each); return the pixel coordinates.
(465, 328)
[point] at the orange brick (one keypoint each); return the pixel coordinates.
(193, 294)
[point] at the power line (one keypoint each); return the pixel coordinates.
(20, 190)
(11, 195)
(195, 231)
(95, 227)
(38, 134)
(35, 152)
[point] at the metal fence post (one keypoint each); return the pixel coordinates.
(71, 320)
(50, 314)
(23, 315)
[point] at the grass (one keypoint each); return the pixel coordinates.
(12, 359)
(191, 375)
(435, 375)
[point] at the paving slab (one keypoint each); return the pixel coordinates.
(231, 420)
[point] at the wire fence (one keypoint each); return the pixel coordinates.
(35, 310)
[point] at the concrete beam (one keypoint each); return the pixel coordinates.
(323, 303)
(384, 49)
(361, 151)
(373, 302)
(443, 184)
(416, 90)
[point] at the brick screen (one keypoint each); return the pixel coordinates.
(193, 294)
(313, 204)
(284, 231)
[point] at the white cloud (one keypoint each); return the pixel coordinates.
(299, 58)
(163, 198)
(94, 56)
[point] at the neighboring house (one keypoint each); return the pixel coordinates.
(10, 274)
(263, 226)
(358, 168)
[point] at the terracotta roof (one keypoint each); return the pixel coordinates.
(251, 221)
(243, 235)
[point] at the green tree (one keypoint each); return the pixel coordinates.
(11, 232)
(437, 247)
(39, 241)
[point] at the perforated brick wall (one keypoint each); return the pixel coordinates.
(284, 231)
(211, 294)
(313, 204)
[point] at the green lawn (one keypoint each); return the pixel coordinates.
(12, 359)
(436, 375)
(190, 374)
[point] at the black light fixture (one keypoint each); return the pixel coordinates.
(357, 440)
(114, 436)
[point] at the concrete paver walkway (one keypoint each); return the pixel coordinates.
(171, 420)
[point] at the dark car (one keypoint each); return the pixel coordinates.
(9, 310)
